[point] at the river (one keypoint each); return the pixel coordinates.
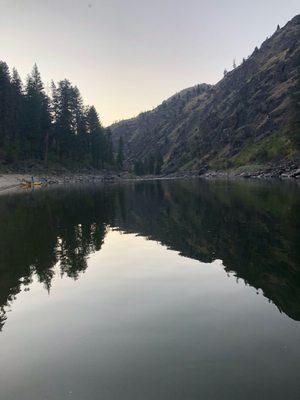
(151, 290)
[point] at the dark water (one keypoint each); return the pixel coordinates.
(158, 290)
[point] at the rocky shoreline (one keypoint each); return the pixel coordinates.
(260, 174)
(287, 171)
(12, 181)
(283, 171)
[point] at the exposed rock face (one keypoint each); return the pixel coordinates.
(243, 119)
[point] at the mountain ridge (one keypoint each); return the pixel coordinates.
(244, 119)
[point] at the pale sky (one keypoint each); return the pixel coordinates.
(127, 56)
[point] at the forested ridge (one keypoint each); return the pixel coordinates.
(50, 128)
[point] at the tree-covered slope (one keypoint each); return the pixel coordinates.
(58, 129)
(249, 117)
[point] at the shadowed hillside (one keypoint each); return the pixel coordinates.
(249, 118)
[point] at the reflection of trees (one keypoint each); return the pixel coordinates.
(252, 227)
(46, 228)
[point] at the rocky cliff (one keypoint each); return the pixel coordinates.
(243, 120)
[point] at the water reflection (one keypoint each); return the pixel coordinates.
(252, 227)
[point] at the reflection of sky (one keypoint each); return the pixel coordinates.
(141, 310)
(128, 56)
(124, 259)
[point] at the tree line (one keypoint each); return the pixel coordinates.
(51, 128)
(149, 166)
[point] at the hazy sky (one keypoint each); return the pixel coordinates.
(126, 56)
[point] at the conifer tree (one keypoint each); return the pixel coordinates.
(18, 110)
(120, 154)
(95, 132)
(5, 106)
(108, 153)
(33, 126)
(63, 127)
(37, 111)
(159, 163)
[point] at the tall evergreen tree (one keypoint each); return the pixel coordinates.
(158, 164)
(5, 107)
(109, 152)
(96, 136)
(38, 117)
(151, 165)
(63, 116)
(120, 154)
(33, 126)
(18, 110)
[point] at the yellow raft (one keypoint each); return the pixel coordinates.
(29, 184)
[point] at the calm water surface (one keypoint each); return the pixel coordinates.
(157, 290)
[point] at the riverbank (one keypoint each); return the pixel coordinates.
(286, 170)
(12, 181)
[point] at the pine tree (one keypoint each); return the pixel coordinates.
(95, 132)
(18, 110)
(151, 165)
(109, 152)
(33, 126)
(78, 112)
(63, 127)
(38, 117)
(80, 150)
(120, 154)
(139, 168)
(5, 107)
(158, 164)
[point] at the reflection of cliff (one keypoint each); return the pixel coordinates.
(251, 227)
